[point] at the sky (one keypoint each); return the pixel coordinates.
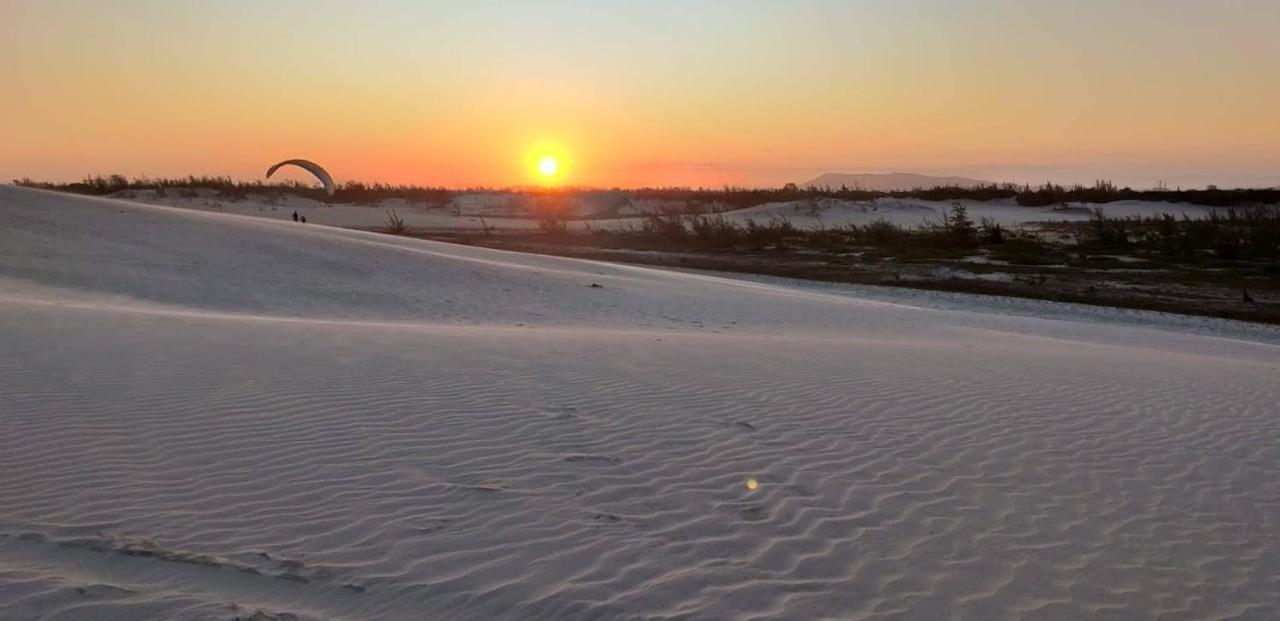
(653, 93)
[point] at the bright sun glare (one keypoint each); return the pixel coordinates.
(548, 166)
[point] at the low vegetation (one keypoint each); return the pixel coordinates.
(1245, 236)
(394, 224)
(687, 201)
(1225, 265)
(229, 190)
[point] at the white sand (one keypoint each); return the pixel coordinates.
(515, 212)
(914, 212)
(204, 416)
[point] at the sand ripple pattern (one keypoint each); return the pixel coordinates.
(166, 465)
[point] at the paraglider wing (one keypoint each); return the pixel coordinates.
(310, 167)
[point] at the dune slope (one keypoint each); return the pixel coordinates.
(206, 416)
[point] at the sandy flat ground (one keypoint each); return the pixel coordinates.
(501, 212)
(211, 416)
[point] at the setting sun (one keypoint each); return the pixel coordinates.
(548, 166)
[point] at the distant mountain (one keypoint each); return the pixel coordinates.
(885, 182)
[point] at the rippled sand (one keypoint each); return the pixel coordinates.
(206, 416)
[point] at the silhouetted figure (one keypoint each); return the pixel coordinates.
(295, 216)
(302, 219)
(1248, 299)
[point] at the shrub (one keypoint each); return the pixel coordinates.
(551, 222)
(394, 224)
(714, 229)
(992, 232)
(880, 232)
(959, 226)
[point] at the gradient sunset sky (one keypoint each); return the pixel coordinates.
(656, 92)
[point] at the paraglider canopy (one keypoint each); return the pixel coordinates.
(310, 167)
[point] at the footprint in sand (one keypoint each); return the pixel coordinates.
(606, 460)
(104, 591)
(562, 412)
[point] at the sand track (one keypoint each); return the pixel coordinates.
(207, 417)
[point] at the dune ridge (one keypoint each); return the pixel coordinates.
(211, 417)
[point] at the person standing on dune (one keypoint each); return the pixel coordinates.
(295, 216)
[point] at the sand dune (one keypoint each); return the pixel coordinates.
(912, 213)
(210, 416)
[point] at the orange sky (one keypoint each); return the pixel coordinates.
(653, 93)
